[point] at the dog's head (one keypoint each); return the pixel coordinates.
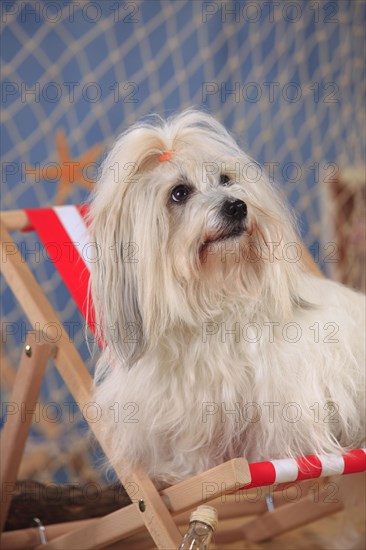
(186, 225)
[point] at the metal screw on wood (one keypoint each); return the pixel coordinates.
(28, 350)
(142, 505)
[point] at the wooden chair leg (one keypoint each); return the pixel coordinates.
(156, 515)
(20, 411)
(292, 515)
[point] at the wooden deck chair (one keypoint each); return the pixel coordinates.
(159, 512)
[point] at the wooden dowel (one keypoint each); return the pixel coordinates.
(29, 538)
(14, 220)
(20, 415)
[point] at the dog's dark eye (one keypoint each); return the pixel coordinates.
(224, 180)
(180, 193)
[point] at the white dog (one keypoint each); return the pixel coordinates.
(218, 342)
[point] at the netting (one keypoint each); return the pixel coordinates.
(286, 78)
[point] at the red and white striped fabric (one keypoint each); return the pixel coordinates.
(291, 470)
(64, 234)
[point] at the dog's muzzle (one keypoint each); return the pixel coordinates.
(232, 214)
(234, 210)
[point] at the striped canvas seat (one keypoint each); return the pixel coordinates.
(64, 234)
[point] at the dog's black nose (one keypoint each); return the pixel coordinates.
(236, 209)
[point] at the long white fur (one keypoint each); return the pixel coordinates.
(178, 392)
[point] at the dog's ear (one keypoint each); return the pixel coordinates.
(131, 280)
(113, 288)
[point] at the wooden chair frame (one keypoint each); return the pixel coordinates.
(153, 510)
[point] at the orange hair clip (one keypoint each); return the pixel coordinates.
(167, 155)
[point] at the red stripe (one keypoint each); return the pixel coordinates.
(309, 467)
(84, 210)
(261, 473)
(27, 228)
(64, 255)
(354, 461)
